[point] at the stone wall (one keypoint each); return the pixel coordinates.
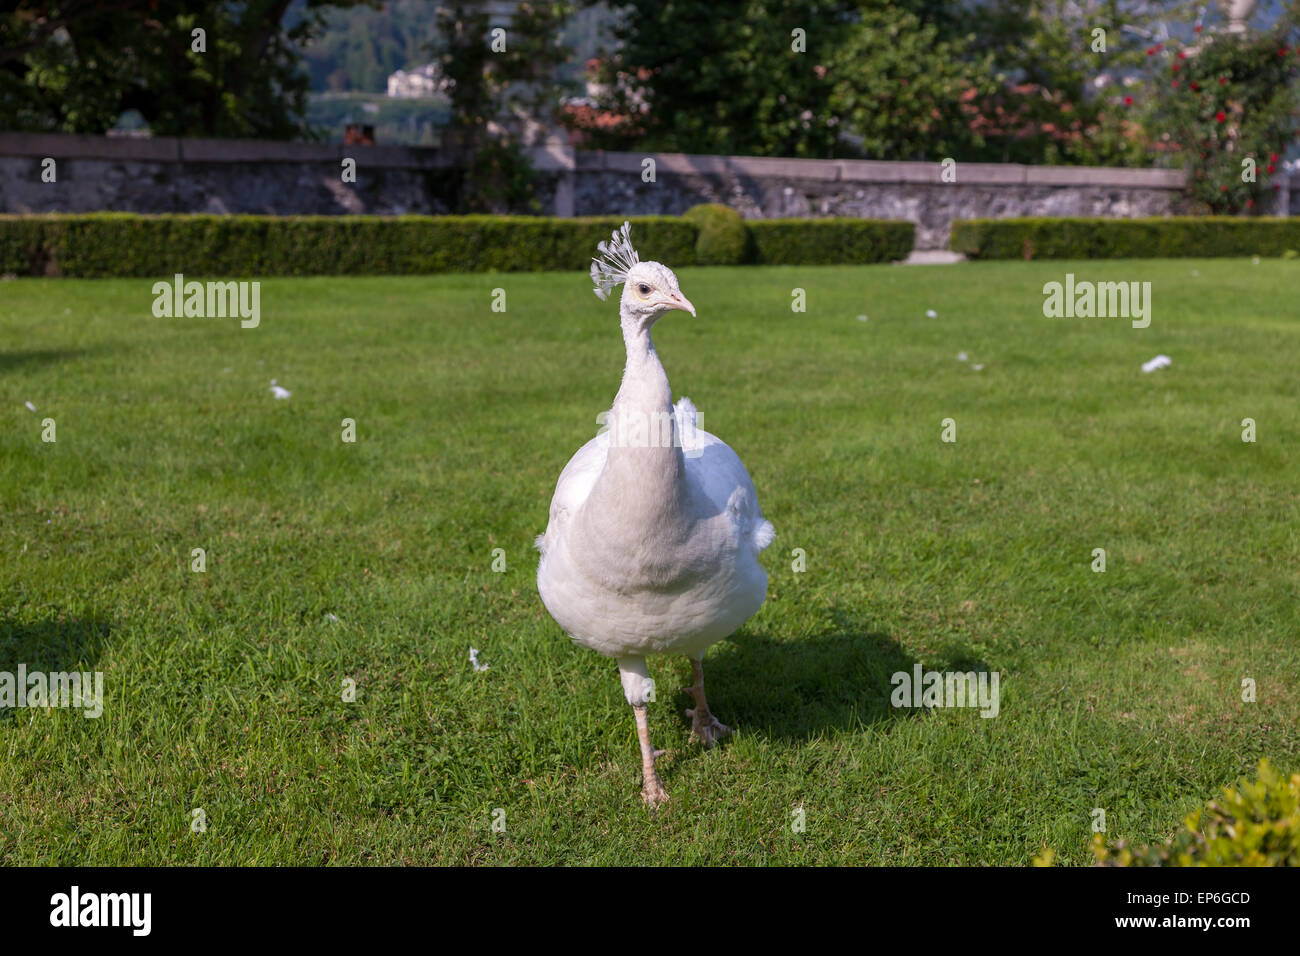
(163, 174)
(98, 173)
(774, 188)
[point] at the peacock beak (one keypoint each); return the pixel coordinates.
(678, 301)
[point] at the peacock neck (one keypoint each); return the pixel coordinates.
(645, 388)
(643, 451)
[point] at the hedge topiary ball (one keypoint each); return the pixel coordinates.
(723, 239)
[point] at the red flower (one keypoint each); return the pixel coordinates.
(1273, 158)
(1195, 85)
(1272, 168)
(1175, 84)
(1197, 29)
(1128, 101)
(1223, 189)
(1158, 47)
(1175, 67)
(1220, 116)
(1182, 54)
(1151, 51)
(1250, 204)
(1222, 80)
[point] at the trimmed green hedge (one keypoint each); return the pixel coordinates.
(117, 244)
(1163, 238)
(125, 244)
(804, 242)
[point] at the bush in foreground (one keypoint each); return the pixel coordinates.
(1255, 824)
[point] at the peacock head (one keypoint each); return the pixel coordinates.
(649, 288)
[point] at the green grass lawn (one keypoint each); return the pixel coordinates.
(224, 689)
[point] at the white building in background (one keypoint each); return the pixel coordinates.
(422, 81)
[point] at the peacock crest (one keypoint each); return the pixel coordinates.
(617, 257)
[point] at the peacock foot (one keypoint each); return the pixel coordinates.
(706, 728)
(653, 792)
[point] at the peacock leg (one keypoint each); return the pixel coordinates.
(652, 788)
(704, 726)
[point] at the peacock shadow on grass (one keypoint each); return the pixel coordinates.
(54, 644)
(794, 689)
(21, 358)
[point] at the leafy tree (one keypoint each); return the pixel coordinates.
(723, 78)
(889, 80)
(902, 92)
(499, 98)
(356, 48)
(1056, 64)
(76, 65)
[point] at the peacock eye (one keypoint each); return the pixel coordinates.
(643, 289)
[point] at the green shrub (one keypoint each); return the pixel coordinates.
(1164, 238)
(830, 241)
(1256, 824)
(119, 244)
(723, 240)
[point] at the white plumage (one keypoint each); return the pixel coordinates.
(655, 529)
